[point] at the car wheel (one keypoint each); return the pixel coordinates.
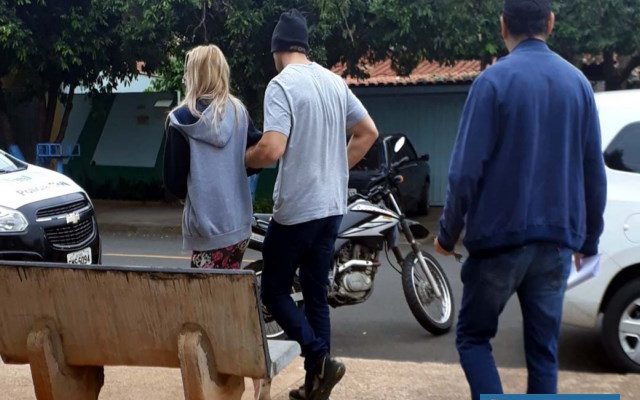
(423, 204)
(621, 327)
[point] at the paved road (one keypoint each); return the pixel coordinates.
(383, 327)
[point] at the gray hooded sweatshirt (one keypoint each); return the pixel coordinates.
(217, 211)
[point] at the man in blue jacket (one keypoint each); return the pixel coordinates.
(527, 180)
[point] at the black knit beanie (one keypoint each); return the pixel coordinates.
(291, 33)
(527, 10)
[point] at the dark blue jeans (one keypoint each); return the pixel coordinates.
(308, 246)
(538, 273)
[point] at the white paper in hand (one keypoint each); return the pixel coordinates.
(590, 269)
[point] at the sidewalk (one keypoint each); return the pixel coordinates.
(163, 218)
(365, 380)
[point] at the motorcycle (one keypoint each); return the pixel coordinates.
(372, 224)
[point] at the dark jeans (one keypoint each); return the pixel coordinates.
(538, 273)
(308, 246)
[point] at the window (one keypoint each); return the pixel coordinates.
(8, 164)
(623, 154)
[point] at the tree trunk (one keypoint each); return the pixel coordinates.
(68, 105)
(626, 66)
(5, 124)
(52, 103)
(41, 100)
(612, 79)
(6, 128)
(485, 61)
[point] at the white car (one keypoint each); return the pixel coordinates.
(44, 216)
(611, 300)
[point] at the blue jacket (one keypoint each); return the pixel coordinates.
(527, 165)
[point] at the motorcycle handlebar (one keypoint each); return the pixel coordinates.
(398, 163)
(377, 185)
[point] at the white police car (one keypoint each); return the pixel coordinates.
(611, 300)
(44, 216)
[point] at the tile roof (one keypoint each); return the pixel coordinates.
(426, 73)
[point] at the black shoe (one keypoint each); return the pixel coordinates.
(328, 374)
(298, 394)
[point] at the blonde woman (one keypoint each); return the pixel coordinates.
(207, 135)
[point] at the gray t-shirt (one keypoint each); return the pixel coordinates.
(314, 108)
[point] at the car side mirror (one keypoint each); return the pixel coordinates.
(424, 157)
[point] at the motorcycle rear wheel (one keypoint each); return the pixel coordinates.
(435, 315)
(273, 330)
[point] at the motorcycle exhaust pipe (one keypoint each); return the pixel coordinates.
(357, 263)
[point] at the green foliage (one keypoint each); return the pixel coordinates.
(605, 29)
(595, 26)
(263, 206)
(48, 46)
(340, 31)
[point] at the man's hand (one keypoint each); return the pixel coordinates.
(577, 258)
(439, 248)
(268, 150)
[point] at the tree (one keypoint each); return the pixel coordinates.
(471, 30)
(605, 30)
(340, 31)
(600, 37)
(50, 48)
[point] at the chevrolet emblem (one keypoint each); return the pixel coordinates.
(73, 218)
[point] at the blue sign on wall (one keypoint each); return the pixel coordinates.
(550, 397)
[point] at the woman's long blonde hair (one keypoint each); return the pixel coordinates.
(206, 77)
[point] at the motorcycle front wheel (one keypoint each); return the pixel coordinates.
(434, 314)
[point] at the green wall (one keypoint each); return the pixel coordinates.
(428, 115)
(118, 182)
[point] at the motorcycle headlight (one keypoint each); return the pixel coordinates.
(12, 221)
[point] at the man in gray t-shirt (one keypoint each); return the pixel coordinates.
(314, 108)
(308, 113)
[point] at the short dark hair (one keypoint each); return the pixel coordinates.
(526, 27)
(526, 17)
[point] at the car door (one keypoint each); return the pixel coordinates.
(622, 157)
(412, 190)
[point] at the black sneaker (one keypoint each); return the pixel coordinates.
(329, 373)
(298, 394)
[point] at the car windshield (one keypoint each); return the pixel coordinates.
(10, 164)
(370, 162)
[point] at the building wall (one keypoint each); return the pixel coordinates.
(428, 115)
(120, 137)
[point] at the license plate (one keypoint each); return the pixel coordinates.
(80, 257)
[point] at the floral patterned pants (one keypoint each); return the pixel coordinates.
(227, 258)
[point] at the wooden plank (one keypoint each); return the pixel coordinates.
(133, 316)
